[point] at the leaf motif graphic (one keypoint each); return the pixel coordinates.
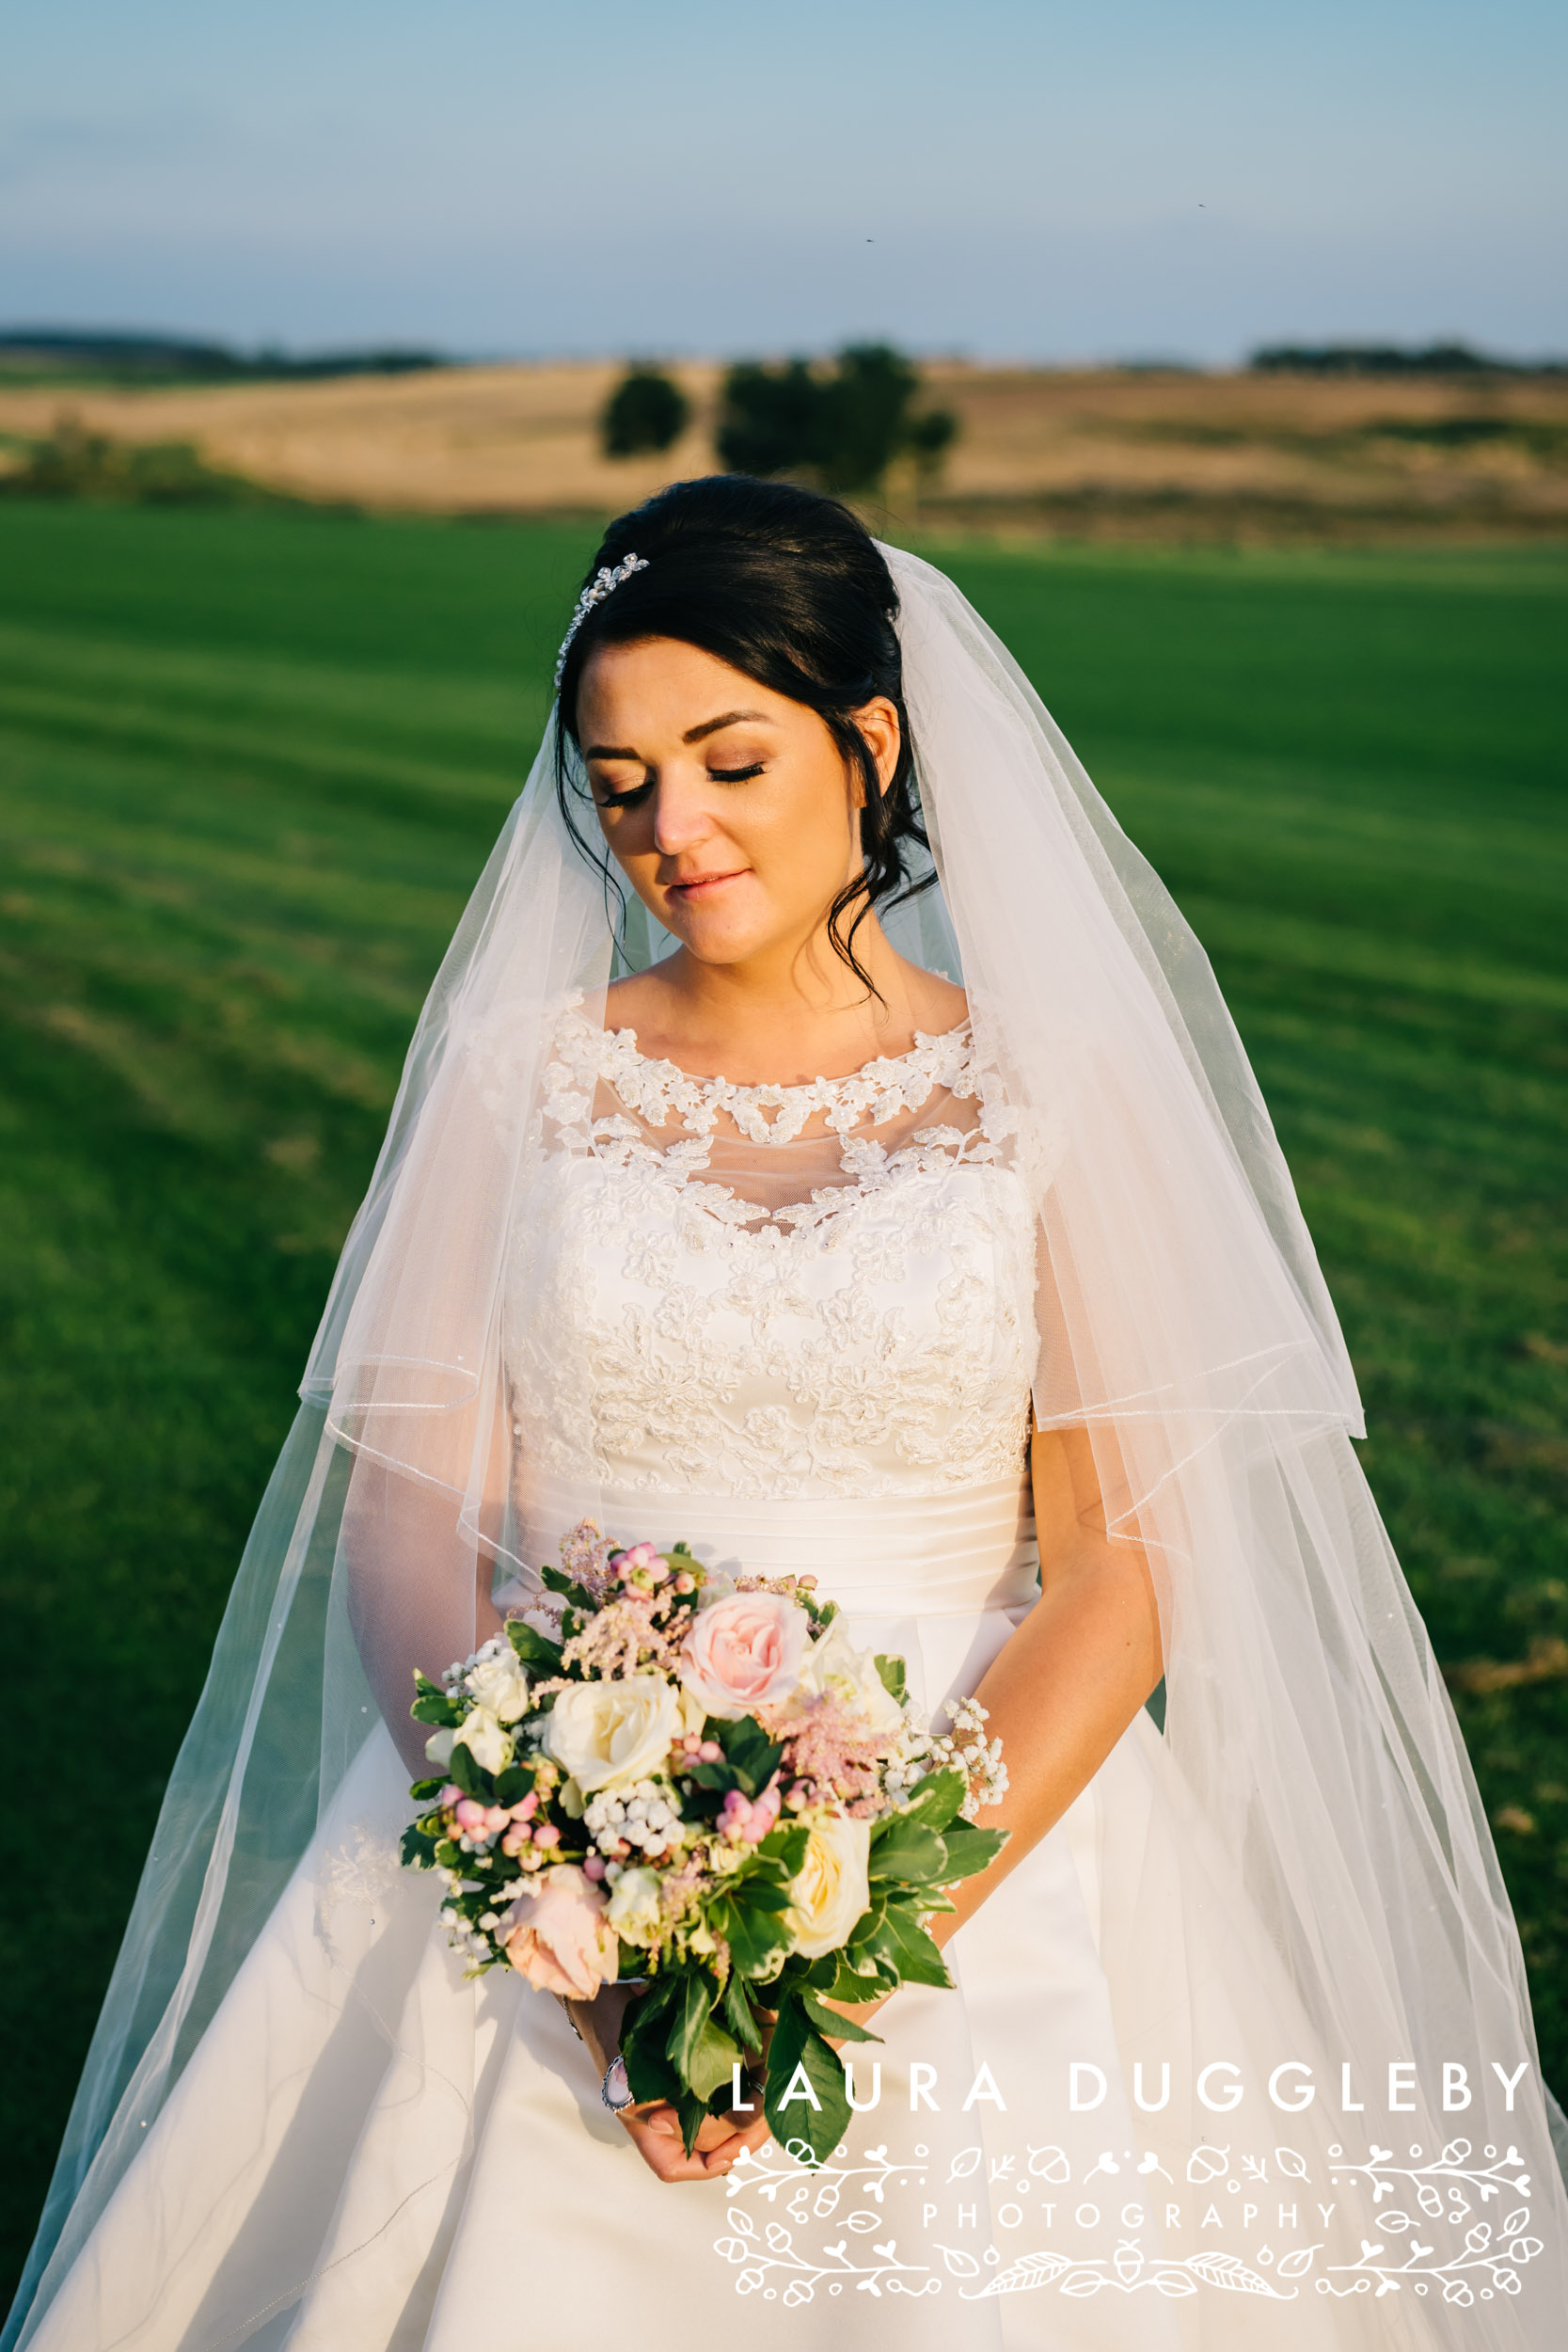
(1290, 2164)
(1028, 2271)
(1296, 2266)
(964, 2163)
(1515, 2222)
(961, 2264)
(1227, 2270)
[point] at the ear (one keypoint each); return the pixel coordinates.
(877, 722)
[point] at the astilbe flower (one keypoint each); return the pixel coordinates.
(832, 1757)
(625, 1637)
(586, 1554)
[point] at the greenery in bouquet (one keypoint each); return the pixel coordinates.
(698, 1782)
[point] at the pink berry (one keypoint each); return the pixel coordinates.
(547, 1835)
(529, 1807)
(470, 1815)
(709, 1751)
(593, 1867)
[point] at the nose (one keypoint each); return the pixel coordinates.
(681, 821)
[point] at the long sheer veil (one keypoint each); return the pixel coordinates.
(1315, 1863)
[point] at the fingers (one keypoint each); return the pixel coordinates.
(656, 2135)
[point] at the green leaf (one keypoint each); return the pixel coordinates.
(558, 1582)
(739, 2013)
(467, 1774)
(532, 1647)
(786, 1846)
(512, 1784)
(910, 1852)
(901, 1941)
(798, 2043)
(861, 1977)
(936, 1800)
(417, 1851)
(715, 2056)
(422, 1790)
(969, 1850)
(830, 2022)
(692, 2112)
(893, 1681)
(690, 2014)
(754, 1934)
(749, 1754)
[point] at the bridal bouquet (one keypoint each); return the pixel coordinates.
(698, 1782)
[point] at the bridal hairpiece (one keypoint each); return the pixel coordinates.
(604, 582)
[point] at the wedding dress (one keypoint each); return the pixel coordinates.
(1239, 2055)
(835, 1385)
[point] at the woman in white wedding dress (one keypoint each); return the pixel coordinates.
(905, 1215)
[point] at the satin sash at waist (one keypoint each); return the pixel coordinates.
(954, 1553)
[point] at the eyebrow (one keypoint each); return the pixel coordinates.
(692, 735)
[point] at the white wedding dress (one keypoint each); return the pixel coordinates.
(829, 1377)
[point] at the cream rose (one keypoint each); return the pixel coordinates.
(605, 1731)
(834, 1886)
(744, 1652)
(499, 1684)
(834, 1664)
(487, 1742)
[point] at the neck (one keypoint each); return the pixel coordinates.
(785, 1016)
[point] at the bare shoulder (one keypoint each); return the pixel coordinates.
(635, 1003)
(937, 1005)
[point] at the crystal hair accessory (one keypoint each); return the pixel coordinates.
(604, 583)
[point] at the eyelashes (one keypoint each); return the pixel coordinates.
(636, 794)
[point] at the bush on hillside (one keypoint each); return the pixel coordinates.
(843, 429)
(76, 462)
(646, 413)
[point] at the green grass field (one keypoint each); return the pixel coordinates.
(249, 766)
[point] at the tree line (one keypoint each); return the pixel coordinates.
(840, 423)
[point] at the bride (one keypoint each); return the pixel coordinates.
(825, 1143)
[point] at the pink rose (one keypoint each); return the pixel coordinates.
(744, 1652)
(562, 1942)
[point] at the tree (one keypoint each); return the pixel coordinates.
(646, 412)
(843, 429)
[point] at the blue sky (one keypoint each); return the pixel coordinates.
(1033, 180)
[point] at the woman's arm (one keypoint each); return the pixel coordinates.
(1073, 1675)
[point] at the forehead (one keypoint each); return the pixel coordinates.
(663, 684)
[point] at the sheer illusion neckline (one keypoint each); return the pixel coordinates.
(662, 1092)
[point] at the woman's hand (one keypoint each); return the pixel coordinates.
(652, 2125)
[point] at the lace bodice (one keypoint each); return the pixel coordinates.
(780, 1291)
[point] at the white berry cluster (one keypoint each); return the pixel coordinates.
(641, 1816)
(963, 1745)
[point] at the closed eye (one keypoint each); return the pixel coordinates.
(737, 775)
(632, 797)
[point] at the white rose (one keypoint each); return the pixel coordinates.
(634, 1912)
(499, 1684)
(833, 1662)
(833, 1887)
(485, 1739)
(605, 1731)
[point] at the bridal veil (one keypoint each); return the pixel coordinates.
(1318, 1825)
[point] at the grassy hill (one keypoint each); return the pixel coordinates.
(249, 766)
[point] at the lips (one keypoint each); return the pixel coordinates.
(700, 886)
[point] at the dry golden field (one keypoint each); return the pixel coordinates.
(1107, 452)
